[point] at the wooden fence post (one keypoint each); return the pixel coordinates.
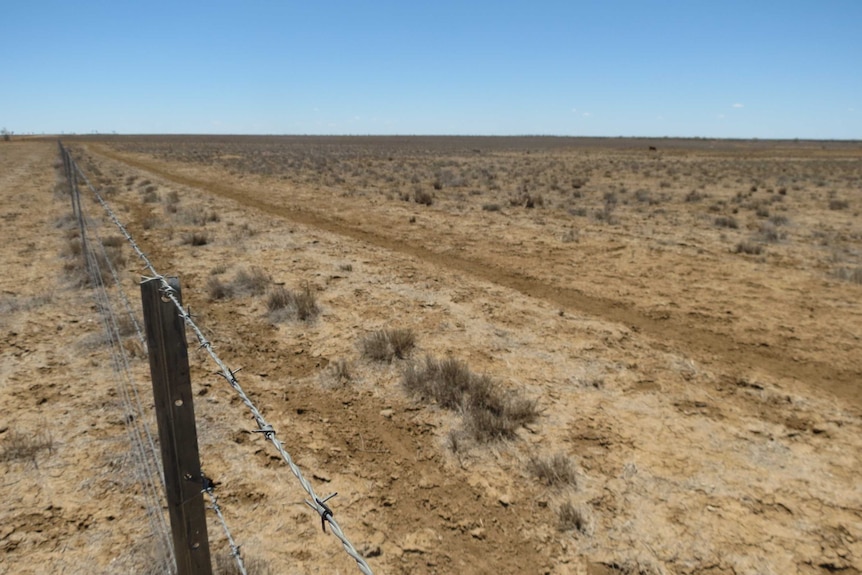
(172, 392)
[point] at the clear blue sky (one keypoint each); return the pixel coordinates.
(729, 68)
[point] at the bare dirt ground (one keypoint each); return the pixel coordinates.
(687, 320)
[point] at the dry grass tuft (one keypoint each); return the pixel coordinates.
(749, 247)
(225, 564)
(283, 304)
(572, 518)
(489, 412)
(251, 281)
(386, 345)
(217, 289)
(853, 275)
(19, 446)
(196, 239)
(554, 471)
(340, 371)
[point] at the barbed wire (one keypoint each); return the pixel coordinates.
(209, 489)
(265, 428)
(143, 449)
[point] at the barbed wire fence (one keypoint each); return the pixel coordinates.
(145, 461)
(142, 438)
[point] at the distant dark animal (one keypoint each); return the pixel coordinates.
(653, 149)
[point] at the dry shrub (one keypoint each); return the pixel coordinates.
(217, 289)
(252, 281)
(572, 518)
(113, 241)
(283, 304)
(489, 412)
(386, 345)
(196, 239)
(726, 222)
(17, 446)
(553, 471)
(853, 275)
(305, 303)
(340, 371)
(225, 564)
(423, 197)
(769, 233)
(150, 196)
(749, 247)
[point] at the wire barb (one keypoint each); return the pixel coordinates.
(323, 509)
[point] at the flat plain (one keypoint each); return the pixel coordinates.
(677, 324)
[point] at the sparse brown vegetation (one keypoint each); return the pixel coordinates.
(283, 304)
(726, 222)
(251, 281)
(19, 446)
(554, 471)
(745, 373)
(749, 247)
(489, 412)
(225, 564)
(196, 239)
(217, 289)
(388, 344)
(572, 518)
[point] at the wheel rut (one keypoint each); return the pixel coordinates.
(693, 339)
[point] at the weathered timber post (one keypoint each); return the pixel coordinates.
(172, 392)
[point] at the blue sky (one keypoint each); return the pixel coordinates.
(735, 69)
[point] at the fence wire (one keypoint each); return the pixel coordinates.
(265, 428)
(146, 462)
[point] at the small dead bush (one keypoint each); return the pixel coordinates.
(113, 242)
(252, 281)
(838, 205)
(388, 344)
(279, 298)
(283, 304)
(853, 275)
(491, 207)
(340, 371)
(217, 289)
(17, 446)
(527, 200)
(196, 239)
(489, 412)
(150, 196)
(572, 518)
(554, 471)
(225, 564)
(694, 196)
(749, 247)
(769, 233)
(305, 303)
(423, 197)
(726, 222)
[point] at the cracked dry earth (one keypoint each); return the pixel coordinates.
(708, 400)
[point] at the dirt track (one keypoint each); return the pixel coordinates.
(710, 401)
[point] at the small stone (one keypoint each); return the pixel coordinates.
(478, 533)
(387, 413)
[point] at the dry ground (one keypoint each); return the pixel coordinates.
(687, 320)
